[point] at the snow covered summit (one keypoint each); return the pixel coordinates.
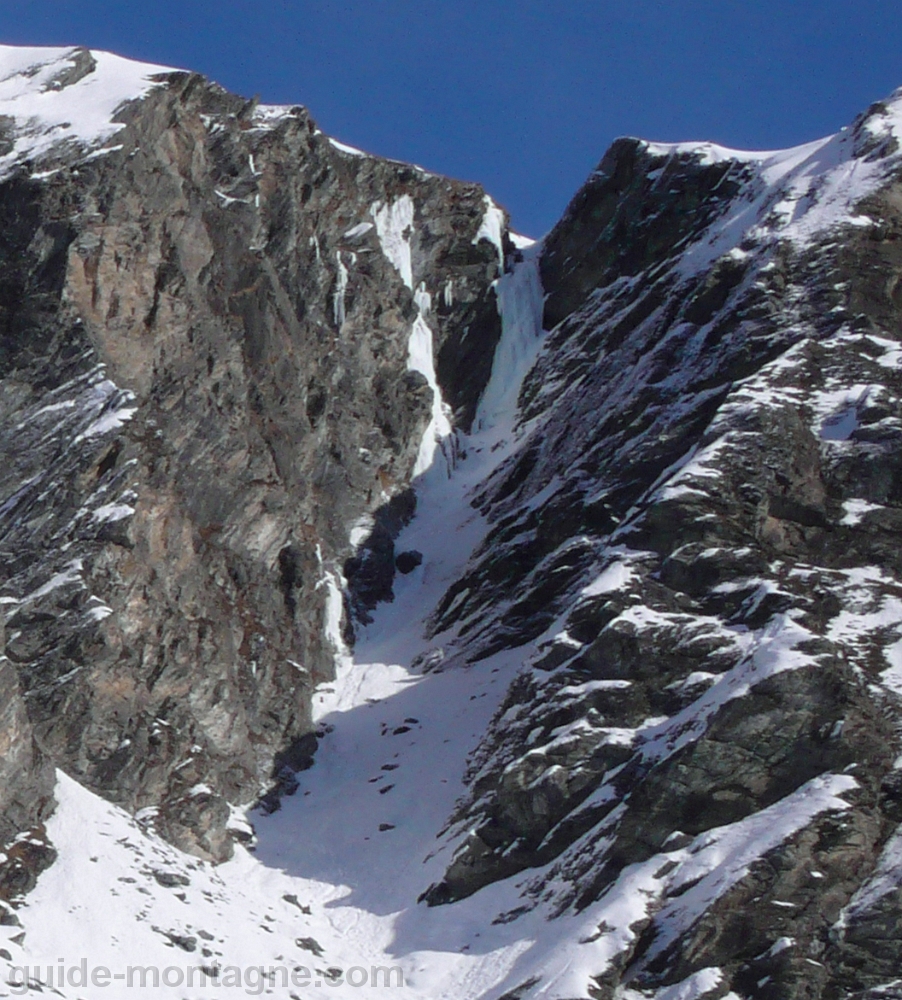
(54, 98)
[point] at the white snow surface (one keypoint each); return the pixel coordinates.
(82, 113)
(394, 226)
(112, 512)
(797, 193)
(856, 510)
(344, 148)
(355, 232)
(492, 227)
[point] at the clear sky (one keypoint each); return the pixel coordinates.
(523, 96)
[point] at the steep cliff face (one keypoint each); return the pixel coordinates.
(219, 330)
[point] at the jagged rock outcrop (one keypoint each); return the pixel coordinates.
(695, 546)
(207, 384)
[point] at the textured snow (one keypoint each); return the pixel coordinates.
(868, 614)
(773, 650)
(892, 676)
(70, 575)
(705, 869)
(112, 407)
(99, 612)
(615, 577)
(102, 901)
(886, 879)
(587, 687)
(837, 410)
(361, 530)
(720, 857)
(796, 194)
(697, 985)
(344, 148)
(361, 229)
(80, 114)
(856, 510)
(112, 512)
(781, 944)
(111, 421)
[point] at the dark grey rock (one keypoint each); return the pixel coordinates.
(613, 749)
(407, 562)
(188, 280)
(81, 64)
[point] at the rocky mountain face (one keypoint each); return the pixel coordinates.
(638, 485)
(700, 529)
(208, 385)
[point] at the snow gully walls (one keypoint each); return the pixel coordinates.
(630, 726)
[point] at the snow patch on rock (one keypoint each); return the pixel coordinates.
(49, 111)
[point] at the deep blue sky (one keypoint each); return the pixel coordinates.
(521, 95)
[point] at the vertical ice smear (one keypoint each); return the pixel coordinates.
(492, 227)
(423, 300)
(394, 226)
(420, 358)
(334, 610)
(520, 303)
(338, 297)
